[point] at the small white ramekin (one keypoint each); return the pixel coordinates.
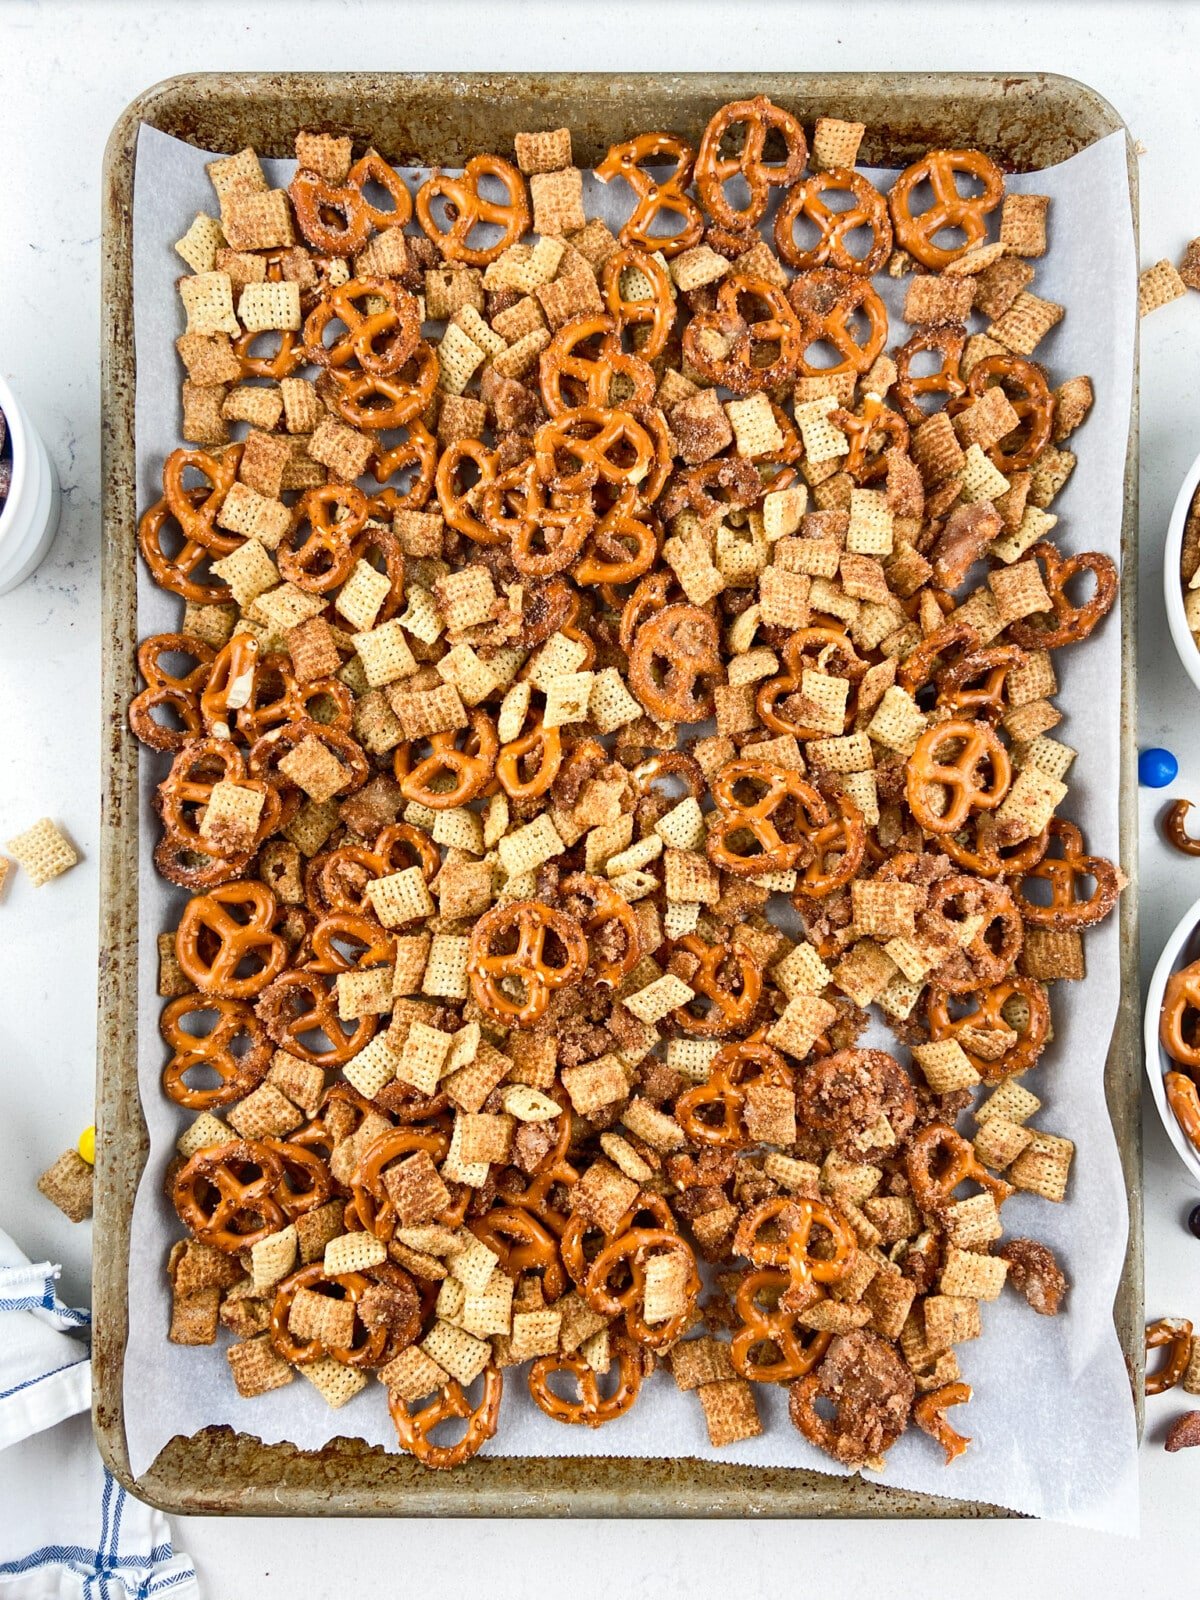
(1183, 946)
(29, 515)
(1186, 647)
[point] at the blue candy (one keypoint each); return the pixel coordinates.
(1157, 768)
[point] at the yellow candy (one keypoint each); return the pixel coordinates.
(87, 1146)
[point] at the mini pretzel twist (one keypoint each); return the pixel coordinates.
(941, 169)
(466, 208)
(222, 929)
(224, 1194)
(1175, 1335)
(177, 692)
(653, 197)
(591, 1408)
(758, 117)
(832, 249)
(413, 1428)
(1010, 1050)
(528, 922)
(971, 747)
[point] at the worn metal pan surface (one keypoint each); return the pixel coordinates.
(1024, 122)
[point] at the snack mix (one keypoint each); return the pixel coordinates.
(555, 808)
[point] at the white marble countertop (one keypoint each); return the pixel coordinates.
(66, 71)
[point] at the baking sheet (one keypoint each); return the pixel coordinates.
(1052, 1417)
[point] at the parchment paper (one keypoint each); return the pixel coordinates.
(1052, 1418)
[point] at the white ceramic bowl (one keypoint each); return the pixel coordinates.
(29, 515)
(1182, 947)
(1185, 646)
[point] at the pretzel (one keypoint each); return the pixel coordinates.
(523, 1245)
(187, 789)
(950, 209)
(213, 1051)
(417, 454)
(830, 304)
(607, 557)
(599, 910)
(655, 313)
(469, 768)
(837, 847)
(674, 656)
(571, 376)
(832, 249)
(315, 201)
(1184, 1101)
(1072, 624)
(306, 1182)
(1175, 1334)
(223, 1206)
(602, 441)
(288, 355)
(626, 1254)
(197, 517)
(365, 1353)
(794, 1221)
(545, 535)
(725, 344)
(538, 752)
(1176, 1028)
(937, 1161)
(872, 431)
(1028, 393)
(729, 1077)
(713, 170)
(579, 1248)
(978, 849)
(372, 168)
(301, 1003)
(960, 777)
(528, 922)
(651, 197)
(177, 692)
(761, 1330)
(738, 820)
(213, 918)
(591, 1408)
(870, 1389)
(379, 548)
(275, 697)
(366, 400)
(919, 665)
(730, 977)
(668, 765)
(380, 341)
(466, 208)
(1010, 1058)
(174, 572)
(228, 685)
(1174, 826)
(948, 341)
(413, 1428)
(773, 695)
(959, 691)
(371, 1199)
(929, 1415)
(995, 947)
(322, 560)
(1063, 874)
(459, 504)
